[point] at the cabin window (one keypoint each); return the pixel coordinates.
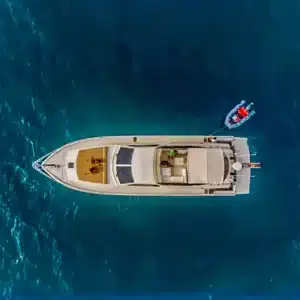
(124, 174)
(70, 165)
(124, 156)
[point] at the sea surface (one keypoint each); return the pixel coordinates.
(75, 69)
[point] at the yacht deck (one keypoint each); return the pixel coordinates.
(91, 165)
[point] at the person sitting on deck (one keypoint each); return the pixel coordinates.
(93, 170)
(97, 160)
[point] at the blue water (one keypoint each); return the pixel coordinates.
(75, 69)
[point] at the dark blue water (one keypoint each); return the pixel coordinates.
(75, 69)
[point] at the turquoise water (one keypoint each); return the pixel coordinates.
(77, 69)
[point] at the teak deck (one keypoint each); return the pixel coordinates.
(84, 165)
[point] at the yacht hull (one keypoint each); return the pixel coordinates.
(62, 166)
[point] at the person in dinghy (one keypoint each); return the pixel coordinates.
(242, 112)
(239, 115)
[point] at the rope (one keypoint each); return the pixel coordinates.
(217, 131)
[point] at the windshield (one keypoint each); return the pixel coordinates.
(124, 174)
(124, 156)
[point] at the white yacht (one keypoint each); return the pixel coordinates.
(152, 165)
